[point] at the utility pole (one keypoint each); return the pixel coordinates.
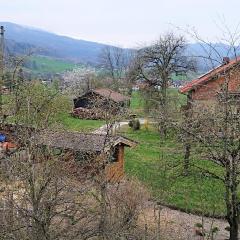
(1, 69)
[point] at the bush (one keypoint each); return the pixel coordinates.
(134, 124)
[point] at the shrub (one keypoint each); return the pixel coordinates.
(134, 124)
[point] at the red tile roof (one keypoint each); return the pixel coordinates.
(208, 76)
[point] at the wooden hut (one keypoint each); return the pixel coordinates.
(94, 103)
(88, 154)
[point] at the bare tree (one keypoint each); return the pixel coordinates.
(215, 131)
(42, 202)
(78, 81)
(158, 62)
(114, 62)
(218, 135)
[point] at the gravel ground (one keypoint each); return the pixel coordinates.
(102, 130)
(181, 226)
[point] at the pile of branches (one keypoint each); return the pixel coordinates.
(85, 113)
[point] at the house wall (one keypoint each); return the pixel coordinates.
(209, 90)
(114, 171)
(205, 96)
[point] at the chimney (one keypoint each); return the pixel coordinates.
(226, 60)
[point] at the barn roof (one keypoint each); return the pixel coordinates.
(208, 76)
(82, 142)
(108, 93)
(77, 141)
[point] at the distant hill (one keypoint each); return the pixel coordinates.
(202, 51)
(19, 38)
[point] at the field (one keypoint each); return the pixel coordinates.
(137, 101)
(74, 124)
(158, 164)
(40, 64)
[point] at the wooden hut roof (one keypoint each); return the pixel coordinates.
(109, 94)
(82, 142)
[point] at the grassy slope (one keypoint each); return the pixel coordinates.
(159, 165)
(137, 101)
(47, 64)
(75, 124)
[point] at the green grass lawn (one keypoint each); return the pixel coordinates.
(40, 64)
(137, 101)
(159, 166)
(75, 124)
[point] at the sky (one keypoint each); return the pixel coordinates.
(125, 23)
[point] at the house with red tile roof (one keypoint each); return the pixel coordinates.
(205, 89)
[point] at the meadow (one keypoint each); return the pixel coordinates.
(158, 163)
(74, 124)
(41, 64)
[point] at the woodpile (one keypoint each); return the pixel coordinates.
(85, 113)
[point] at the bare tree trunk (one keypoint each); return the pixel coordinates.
(187, 136)
(163, 127)
(231, 201)
(186, 158)
(234, 230)
(103, 212)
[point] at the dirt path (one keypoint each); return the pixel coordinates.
(116, 126)
(181, 226)
(103, 129)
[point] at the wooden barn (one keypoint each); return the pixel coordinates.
(92, 104)
(82, 155)
(87, 154)
(205, 91)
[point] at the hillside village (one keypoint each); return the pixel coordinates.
(101, 142)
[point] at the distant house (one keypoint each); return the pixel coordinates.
(92, 104)
(206, 90)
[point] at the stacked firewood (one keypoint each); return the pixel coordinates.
(85, 113)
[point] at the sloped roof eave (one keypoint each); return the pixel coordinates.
(196, 83)
(81, 141)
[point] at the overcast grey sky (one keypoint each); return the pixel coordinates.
(121, 22)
